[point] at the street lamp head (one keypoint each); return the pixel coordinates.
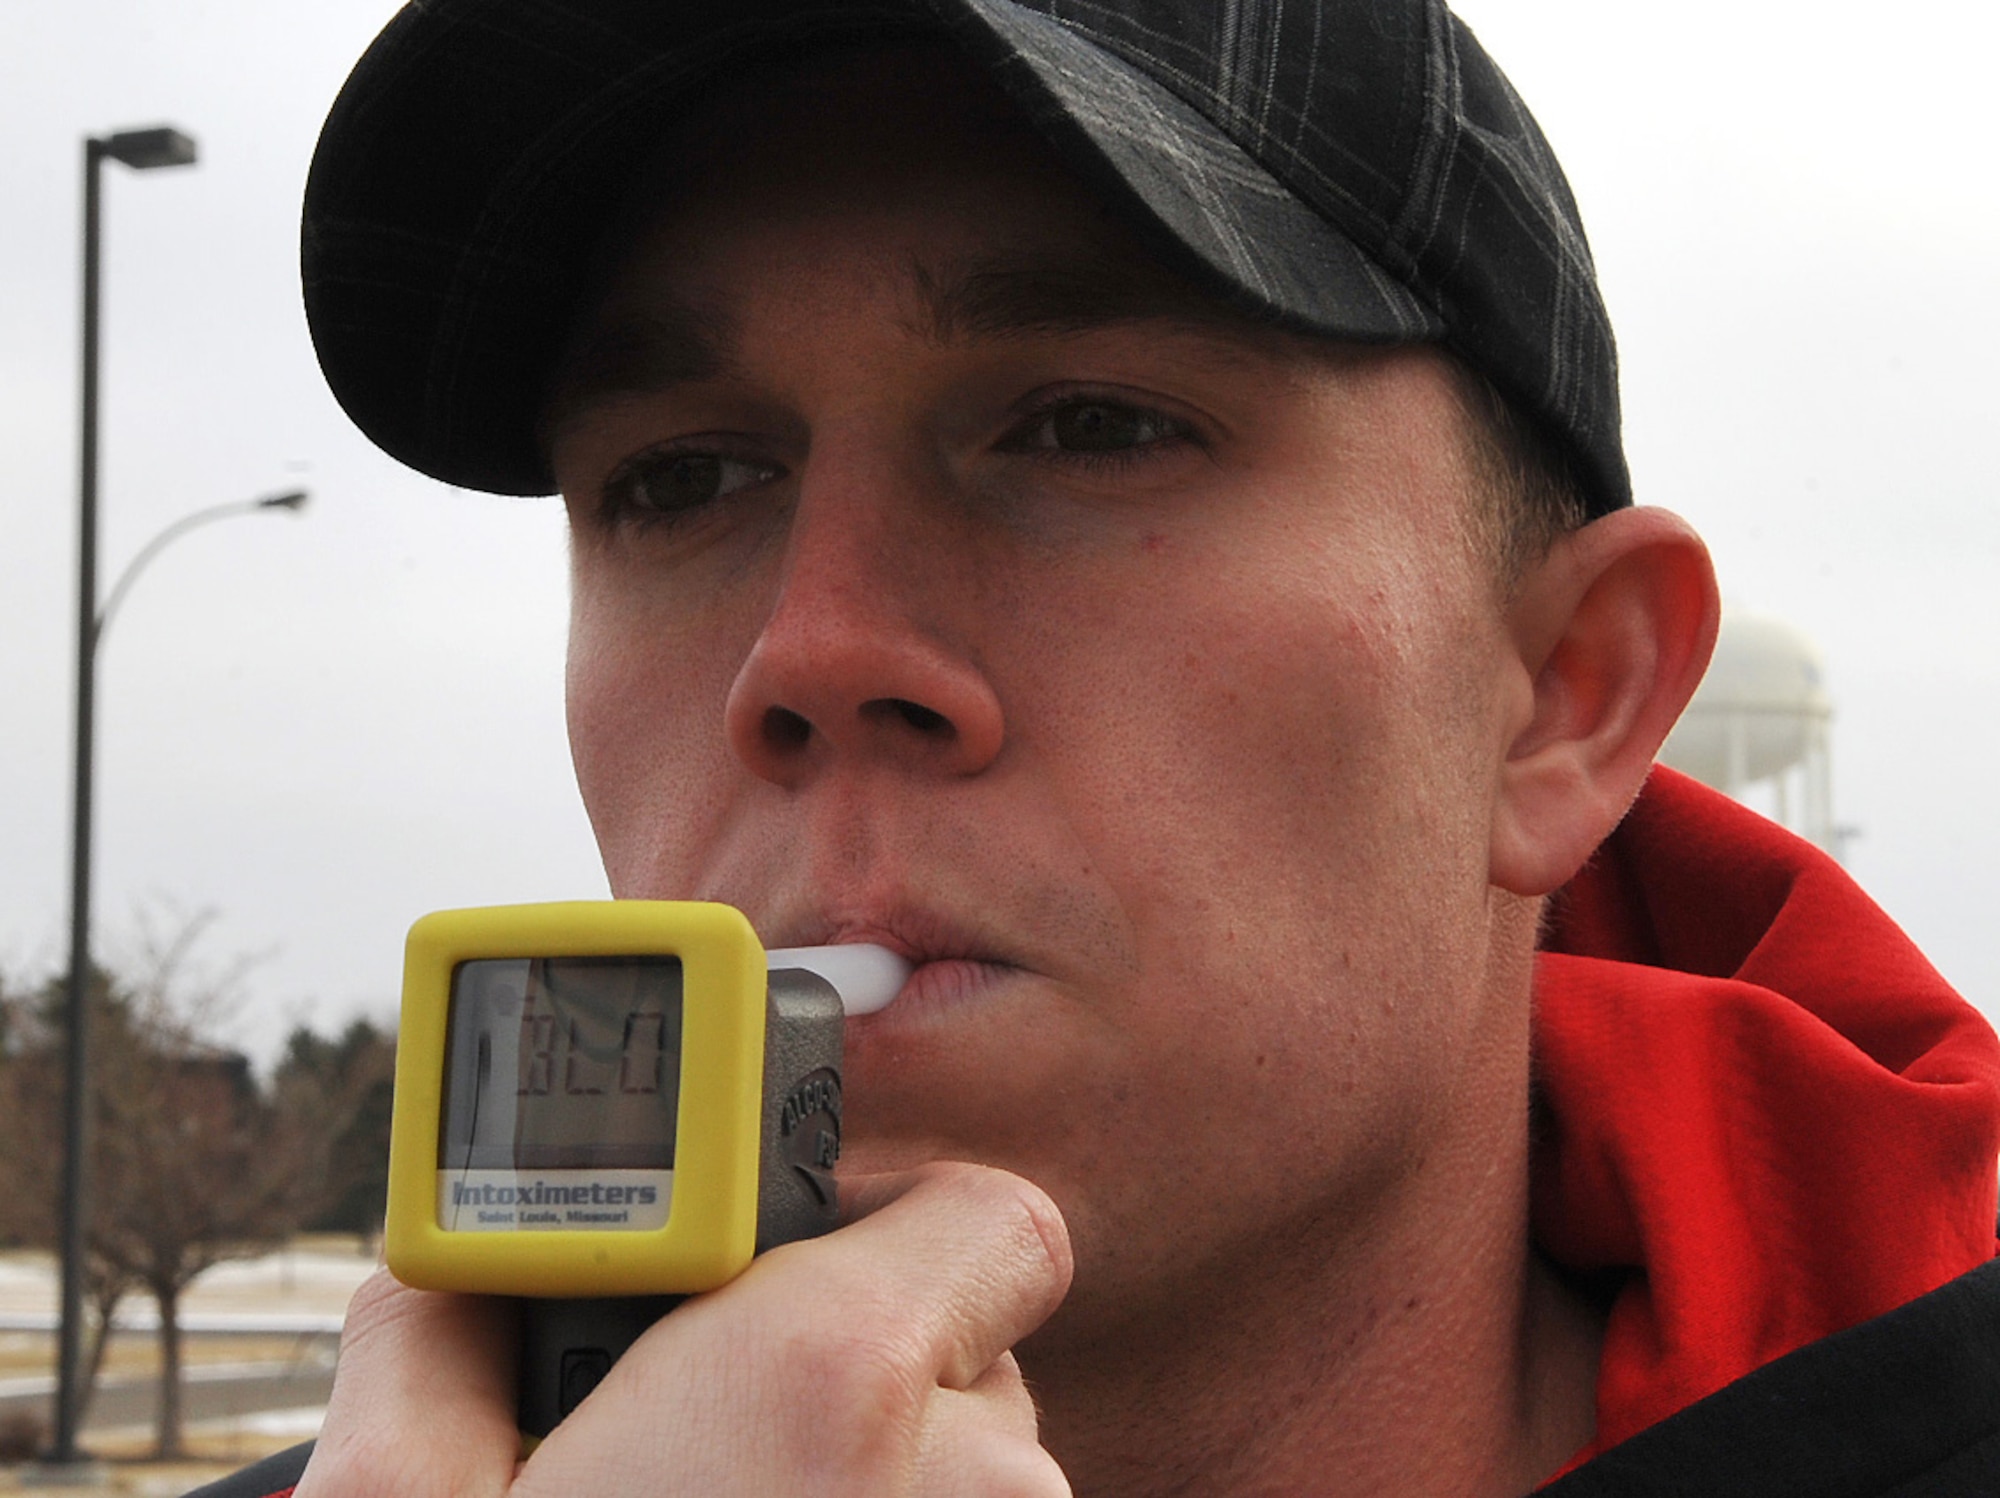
(142, 150)
(295, 500)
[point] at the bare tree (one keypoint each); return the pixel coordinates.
(191, 1163)
(31, 1167)
(348, 1080)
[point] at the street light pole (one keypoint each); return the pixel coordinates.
(142, 150)
(293, 500)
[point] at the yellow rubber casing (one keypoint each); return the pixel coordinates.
(711, 1227)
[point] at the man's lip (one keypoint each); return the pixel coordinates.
(919, 938)
(951, 960)
(943, 983)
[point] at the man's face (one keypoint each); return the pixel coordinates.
(950, 576)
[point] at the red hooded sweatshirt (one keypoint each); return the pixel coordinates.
(1763, 1112)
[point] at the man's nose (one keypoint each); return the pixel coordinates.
(855, 663)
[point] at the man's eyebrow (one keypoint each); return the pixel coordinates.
(635, 353)
(997, 299)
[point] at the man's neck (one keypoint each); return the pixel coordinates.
(1440, 1357)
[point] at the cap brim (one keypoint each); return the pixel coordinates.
(478, 151)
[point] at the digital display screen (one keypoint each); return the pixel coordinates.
(562, 1064)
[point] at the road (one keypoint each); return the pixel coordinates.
(211, 1391)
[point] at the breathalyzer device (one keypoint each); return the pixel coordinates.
(604, 1106)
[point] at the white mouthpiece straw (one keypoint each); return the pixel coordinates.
(866, 977)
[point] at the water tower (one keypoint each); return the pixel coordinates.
(1761, 719)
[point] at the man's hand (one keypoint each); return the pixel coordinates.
(871, 1362)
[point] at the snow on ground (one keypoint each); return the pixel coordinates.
(312, 1281)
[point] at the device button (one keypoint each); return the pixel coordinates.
(583, 1369)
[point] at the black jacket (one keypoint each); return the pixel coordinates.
(1904, 1406)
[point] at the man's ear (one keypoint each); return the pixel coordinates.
(1613, 628)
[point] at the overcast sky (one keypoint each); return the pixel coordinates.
(323, 726)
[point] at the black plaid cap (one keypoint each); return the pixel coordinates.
(1355, 168)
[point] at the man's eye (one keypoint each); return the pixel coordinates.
(1094, 426)
(667, 484)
